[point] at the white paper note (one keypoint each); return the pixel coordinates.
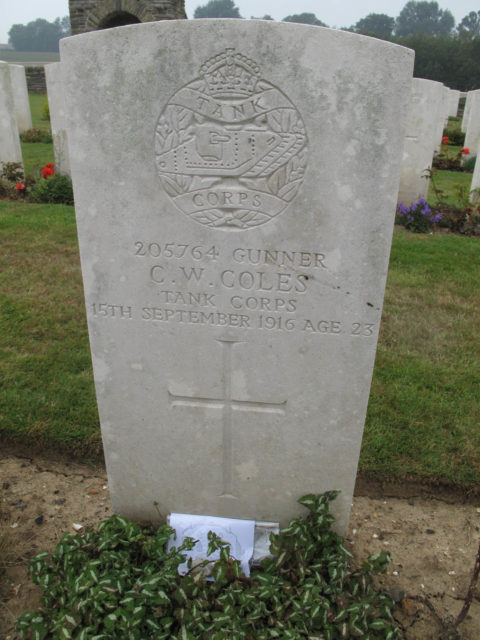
(238, 533)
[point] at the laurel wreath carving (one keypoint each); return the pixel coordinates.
(175, 127)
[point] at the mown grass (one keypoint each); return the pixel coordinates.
(29, 57)
(37, 104)
(35, 156)
(424, 410)
(46, 387)
(447, 184)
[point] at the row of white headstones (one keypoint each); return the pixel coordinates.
(16, 118)
(430, 106)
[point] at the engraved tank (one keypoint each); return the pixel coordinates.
(215, 150)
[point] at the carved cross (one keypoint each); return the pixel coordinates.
(228, 404)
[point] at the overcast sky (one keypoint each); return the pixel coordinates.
(342, 13)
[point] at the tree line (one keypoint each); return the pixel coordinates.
(39, 35)
(444, 52)
(416, 18)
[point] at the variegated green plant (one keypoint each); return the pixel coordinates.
(120, 583)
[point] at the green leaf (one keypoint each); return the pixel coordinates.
(378, 625)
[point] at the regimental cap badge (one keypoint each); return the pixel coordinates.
(230, 75)
(230, 147)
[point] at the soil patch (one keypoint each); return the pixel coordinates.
(432, 539)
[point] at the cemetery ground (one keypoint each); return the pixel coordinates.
(417, 493)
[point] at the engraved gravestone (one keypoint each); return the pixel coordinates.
(234, 262)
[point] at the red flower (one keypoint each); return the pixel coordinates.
(50, 166)
(445, 140)
(465, 150)
(19, 186)
(46, 171)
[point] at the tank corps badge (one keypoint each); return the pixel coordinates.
(230, 147)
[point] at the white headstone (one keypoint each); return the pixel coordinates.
(56, 105)
(420, 139)
(10, 150)
(475, 197)
(234, 261)
(20, 97)
(454, 98)
(439, 114)
(446, 104)
(466, 111)
(472, 134)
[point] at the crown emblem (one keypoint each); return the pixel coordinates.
(230, 75)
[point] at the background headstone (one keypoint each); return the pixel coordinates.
(234, 262)
(20, 97)
(446, 104)
(420, 139)
(10, 150)
(472, 133)
(475, 197)
(440, 115)
(454, 99)
(56, 105)
(466, 111)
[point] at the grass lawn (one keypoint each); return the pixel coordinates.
(448, 183)
(46, 386)
(36, 155)
(424, 411)
(37, 104)
(29, 57)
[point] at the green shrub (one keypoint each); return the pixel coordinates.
(46, 112)
(12, 181)
(12, 171)
(450, 158)
(6, 188)
(120, 582)
(56, 189)
(36, 135)
(469, 165)
(465, 221)
(455, 134)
